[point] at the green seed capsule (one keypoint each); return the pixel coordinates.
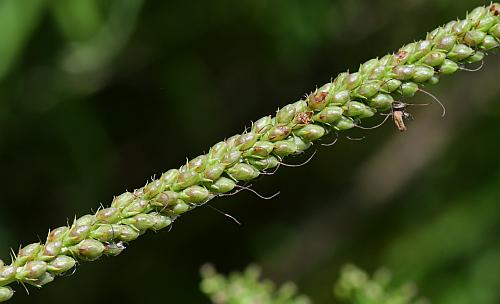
(404, 72)
(448, 67)
(495, 31)
(434, 58)
(422, 73)
(50, 250)
(124, 199)
(186, 179)
(180, 208)
(343, 123)
(231, 141)
(27, 253)
(265, 163)
(105, 233)
(476, 14)
(138, 206)
(381, 101)
(198, 164)
(218, 150)
(261, 149)
(368, 90)
(340, 98)
(286, 114)
(352, 81)
(391, 85)
(378, 73)
(387, 60)
(368, 67)
(433, 80)
(44, 279)
(243, 172)
(169, 178)
(113, 249)
(108, 215)
(231, 157)
(486, 23)
(31, 270)
(127, 233)
(300, 144)
(489, 43)
(88, 249)
(446, 43)
(76, 234)
(278, 132)
(310, 132)
(160, 221)
(7, 274)
(328, 114)
(165, 199)
(460, 52)
(461, 27)
(57, 234)
(301, 105)
(140, 222)
(247, 140)
(284, 148)
(478, 56)
(6, 293)
(408, 89)
(61, 264)
(194, 194)
(214, 171)
(223, 185)
(422, 48)
(152, 189)
(262, 125)
(357, 109)
(473, 38)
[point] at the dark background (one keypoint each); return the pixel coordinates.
(97, 96)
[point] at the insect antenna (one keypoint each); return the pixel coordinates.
(355, 138)
(225, 214)
(463, 68)
(333, 142)
(435, 99)
(298, 165)
(376, 126)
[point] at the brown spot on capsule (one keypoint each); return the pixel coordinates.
(304, 118)
(401, 55)
(495, 9)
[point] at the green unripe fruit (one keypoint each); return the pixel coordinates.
(408, 89)
(391, 85)
(368, 67)
(301, 144)
(265, 163)
(358, 109)
(31, 270)
(381, 101)
(152, 189)
(448, 67)
(214, 171)
(262, 125)
(194, 194)
(160, 221)
(180, 207)
(286, 114)
(124, 199)
(108, 215)
(247, 140)
(186, 178)
(260, 149)
(343, 123)
(460, 52)
(105, 233)
(126, 233)
(76, 234)
(44, 279)
(328, 114)
(378, 73)
(341, 97)
(422, 48)
(50, 250)
(446, 43)
(404, 72)
(368, 90)
(352, 81)
(198, 164)
(223, 185)
(232, 156)
(495, 31)
(476, 14)
(7, 274)
(27, 253)
(474, 38)
(88, 249)
(218, 150)
(478, 56)
(422, 73)
(138, 206)
(113, 249)
(278, 132)
(140, 222)
(61, 264)
(311, 132)
(231, 141)
(486, 23)
(243, 172)
(284, 148)
(434, 58)
(86, 220)
(165, 199)
(433, 80)
(489, 43)
(57, 234)
(6, 293)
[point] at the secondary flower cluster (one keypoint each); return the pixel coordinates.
(336, 106)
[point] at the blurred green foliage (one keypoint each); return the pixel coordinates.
(95, 96)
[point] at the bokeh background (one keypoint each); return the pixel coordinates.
(96, 96)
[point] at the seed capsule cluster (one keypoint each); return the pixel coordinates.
(336, 106)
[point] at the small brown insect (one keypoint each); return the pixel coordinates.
(399, 114)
